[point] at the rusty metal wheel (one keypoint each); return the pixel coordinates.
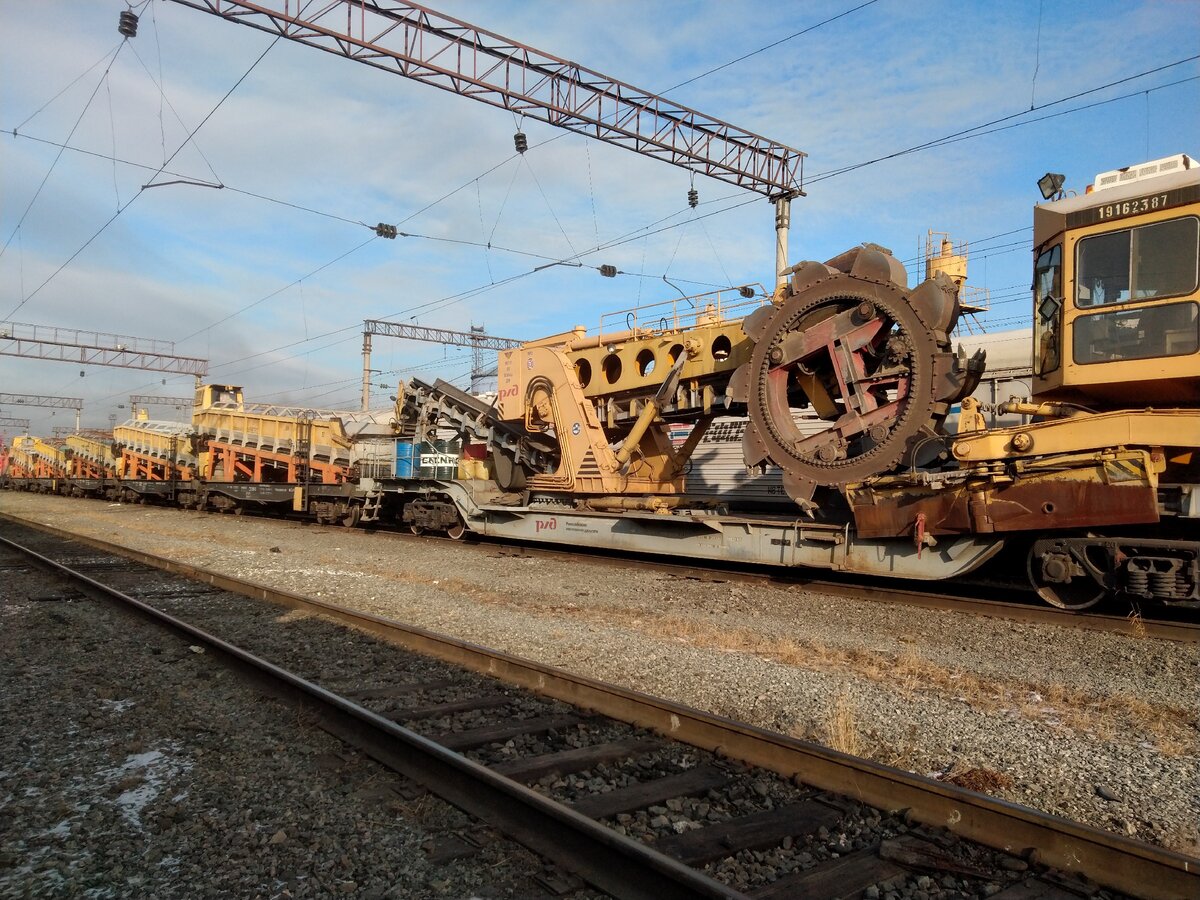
(861, 357)
(1061, 583)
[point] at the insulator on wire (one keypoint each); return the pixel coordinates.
(693, 198)
(746, 291)
(521, 142)
(608, 271)
(386, 231)
(127, 23)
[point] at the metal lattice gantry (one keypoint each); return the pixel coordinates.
(137, 400)
(433, 48)
(95, 348)
(10, 422)
(45, 402)
(96, 434)
(476, 339)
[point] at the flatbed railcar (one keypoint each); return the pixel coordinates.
(1100, 496)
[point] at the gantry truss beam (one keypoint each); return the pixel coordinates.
(136, 400)
(95, 348)
(425, 45)
(75, 403)
(439, 335)
(476, 339)
(99, 434)
(10, 422)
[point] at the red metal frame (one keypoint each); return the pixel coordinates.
(240, 463)
(423, 44)
(135, 466)
(79, 467)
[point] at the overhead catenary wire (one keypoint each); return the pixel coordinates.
(78, 78)
(58, 156)
(962, 133)
(1065, 112)
(771, 45)
(1037, 56)
(489, 245)
(469, 293)
(162, 95)
(546, 199)
(598, 244)
(134, 198)
(227, 187)
(163, 98)
(112, 123)
(278, 291)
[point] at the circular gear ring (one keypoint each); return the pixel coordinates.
(864, 345)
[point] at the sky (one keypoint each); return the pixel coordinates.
(272, 289)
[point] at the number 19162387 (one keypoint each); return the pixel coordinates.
(1132, 207)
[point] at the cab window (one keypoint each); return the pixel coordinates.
(1047, 310)
(1142, 263)
(1143, 332)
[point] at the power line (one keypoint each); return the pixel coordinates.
(1065, 112)
(78, 78)
(769, 46)
(132, 199)
(968, 131)
(58, 156)
(162, 97)
(225, 187)
(279, 291)
(451, 299)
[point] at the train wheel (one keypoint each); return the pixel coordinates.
(1052, 578)
(352, 516)
(417, 529)
(457, 530)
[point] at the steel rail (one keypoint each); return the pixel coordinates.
(601, 856)
(1034, 613)
(848, 586)
(1112, 860)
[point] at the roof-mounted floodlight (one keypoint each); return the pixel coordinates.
(1051, 185)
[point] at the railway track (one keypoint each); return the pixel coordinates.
(936, 595)
(977, 598)
(637, 796)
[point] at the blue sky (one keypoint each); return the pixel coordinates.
(349, 141)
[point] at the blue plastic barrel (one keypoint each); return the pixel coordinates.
(406, 459)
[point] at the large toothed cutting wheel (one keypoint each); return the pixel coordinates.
(867, 355)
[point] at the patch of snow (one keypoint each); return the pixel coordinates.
(156, 768)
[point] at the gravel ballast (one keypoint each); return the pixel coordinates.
(133, 764)
(1097, 727)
